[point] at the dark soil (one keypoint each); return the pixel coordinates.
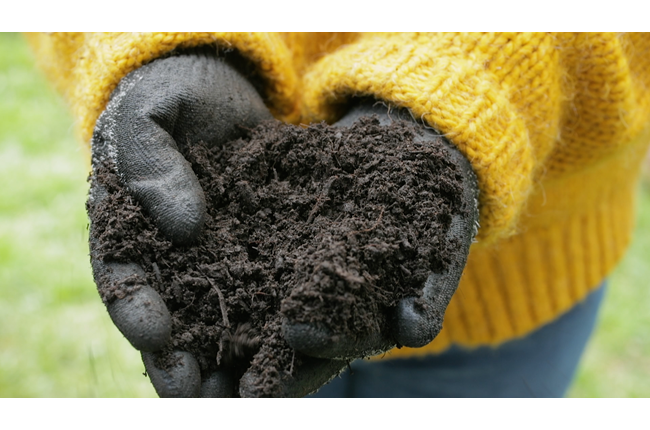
(325, 225)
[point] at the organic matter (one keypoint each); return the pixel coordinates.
(323, 225)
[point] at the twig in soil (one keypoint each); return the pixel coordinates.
(322, 199)
(222, 300)
(220, 352)
(191, 303)
(156, 270)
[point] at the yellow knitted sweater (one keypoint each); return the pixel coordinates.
(555, 126)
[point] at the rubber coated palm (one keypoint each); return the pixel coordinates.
(416, 321)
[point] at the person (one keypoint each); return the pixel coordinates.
(554, 127)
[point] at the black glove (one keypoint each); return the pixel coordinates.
(414, 324)
(152, 114)
(416, 320)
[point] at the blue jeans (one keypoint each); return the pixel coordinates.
(541, 364)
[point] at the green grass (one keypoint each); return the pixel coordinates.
(56, 339)
(617, 360)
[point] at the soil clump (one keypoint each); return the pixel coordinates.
(323, 225)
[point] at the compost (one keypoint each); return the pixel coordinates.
(323, 225)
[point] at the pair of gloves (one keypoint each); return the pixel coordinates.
(197, 96)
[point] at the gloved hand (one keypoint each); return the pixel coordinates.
(415, 322)
(152, 114)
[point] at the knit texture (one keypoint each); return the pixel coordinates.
(86, 67)
(555, 126)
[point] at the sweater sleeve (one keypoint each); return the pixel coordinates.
(522, 107)
(86, 67)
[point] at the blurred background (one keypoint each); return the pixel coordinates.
(56, 339)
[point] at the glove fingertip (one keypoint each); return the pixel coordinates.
(174, 199)
(307, 338)
(182, 221)
(319, 342)
(182, 377)
(248, 385)
(143, 319)
(218, 385)
(414, 327)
